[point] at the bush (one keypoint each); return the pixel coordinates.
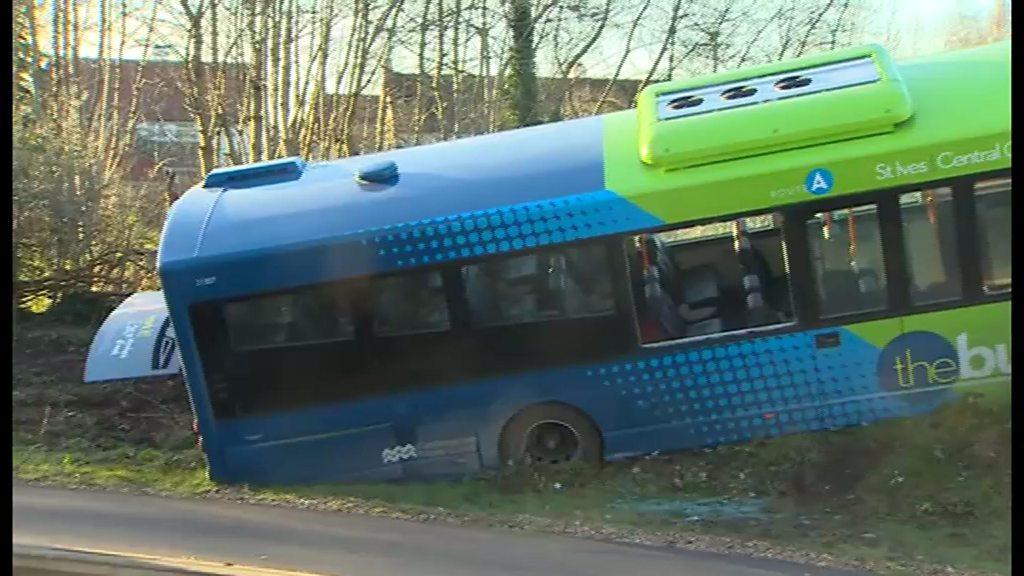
(79, 225)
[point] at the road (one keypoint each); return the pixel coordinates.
(342, 544)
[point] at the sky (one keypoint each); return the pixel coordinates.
(921, 28)
(931, 15)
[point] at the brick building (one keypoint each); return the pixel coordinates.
(166, 136)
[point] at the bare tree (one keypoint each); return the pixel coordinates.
(577, 47)
(673, 26)
(603, 98)
(80, 227)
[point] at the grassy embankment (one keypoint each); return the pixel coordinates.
(895, 496)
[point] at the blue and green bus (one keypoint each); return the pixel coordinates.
(802, 246)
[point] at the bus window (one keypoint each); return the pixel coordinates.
(410, 304)
(929, 241)
(710, 278)
(992, 201)
(312, 315)
(846, 257)
(572, 282)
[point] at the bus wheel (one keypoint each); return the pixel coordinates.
(550, 435)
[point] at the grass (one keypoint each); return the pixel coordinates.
(166, 472)
(931, 490)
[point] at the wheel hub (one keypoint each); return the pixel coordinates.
(551, 443)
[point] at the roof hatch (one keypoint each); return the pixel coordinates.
(257, 174)
(811, 100)
(380, 172)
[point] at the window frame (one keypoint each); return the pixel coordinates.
(893, 252)
(304, 291)
(968, 235)
(959, 217)
(544, 250)
(383, 374)
(893, 267)
(373, 304)
(803, 293)
(621, 320)
(728, 335)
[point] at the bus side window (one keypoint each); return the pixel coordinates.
(587, 287)
(571, 282)
(409, 304)
(709, 278)
(929, 242)
(992, 206)
(846, 259)
(310, 315)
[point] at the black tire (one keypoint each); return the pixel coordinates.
(550, 435)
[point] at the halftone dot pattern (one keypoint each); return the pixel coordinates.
(506, 229)
(763, 387)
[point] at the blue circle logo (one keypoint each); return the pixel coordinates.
(921, 366)
(819, 181)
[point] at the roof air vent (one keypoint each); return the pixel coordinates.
(791, 82)
(849, 93)
(381, 172)
(258, 174)
(737, 92)
(854, 72)
(685, 102)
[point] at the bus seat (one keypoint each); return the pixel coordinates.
(841, 288)
(661, 308)
(867, 281)
(758, 313)
(752, 261)
(691, 315)
(700, 286)
(758, 310)
(755, 301)
(871, 292)
(667, 270)
(710, 326)
(751, 283)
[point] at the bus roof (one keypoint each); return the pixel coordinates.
(576, 178)
(435, 180)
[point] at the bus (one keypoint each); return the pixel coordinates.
(803, 246)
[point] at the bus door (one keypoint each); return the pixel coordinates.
(850, 301)
(136, 341)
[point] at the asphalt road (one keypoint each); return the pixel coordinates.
(344, 545)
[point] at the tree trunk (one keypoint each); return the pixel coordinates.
(521, 82)
(439, 96)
